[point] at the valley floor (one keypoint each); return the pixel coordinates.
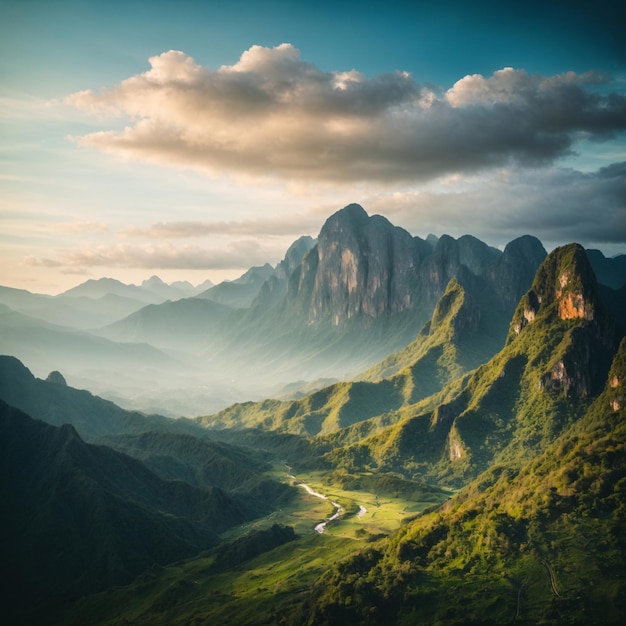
(197, 591)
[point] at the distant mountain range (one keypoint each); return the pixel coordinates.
(333, 307)
(509, 396)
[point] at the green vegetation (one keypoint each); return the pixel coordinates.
(444, 350)
(501, 498)
(543, 544)
(263, 569)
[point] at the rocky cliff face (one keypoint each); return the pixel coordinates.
(557, 360)
(361, 267)
(565, 290)
(516, 269)
(366, 273)
(565, 285)
(294, 256)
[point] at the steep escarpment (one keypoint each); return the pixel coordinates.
(365, 268)
(560, 347)
(565, 290)
(541, 543)
(361, 267)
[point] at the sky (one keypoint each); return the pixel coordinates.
(193, 139)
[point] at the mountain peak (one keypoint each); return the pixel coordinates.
(347, 219)
(526, 246)
(351, 211)
(362, 268)
(564, 301)
(153, 281)
(56, 378)
(564, 281)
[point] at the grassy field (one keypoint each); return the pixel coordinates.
(384, 512)
(193, 592)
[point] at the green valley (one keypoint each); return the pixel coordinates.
(474, 476)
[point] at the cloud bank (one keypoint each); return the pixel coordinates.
(236, 255)
(294, 225)
(273, 114)
(557, 205)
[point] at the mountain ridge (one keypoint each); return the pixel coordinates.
(80, 517)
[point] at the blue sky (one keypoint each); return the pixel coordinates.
(195, 139)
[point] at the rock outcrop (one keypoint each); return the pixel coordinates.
(565, 291)
(364, 268)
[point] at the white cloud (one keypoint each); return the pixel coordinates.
(272, 114)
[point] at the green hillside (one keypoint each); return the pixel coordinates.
(543, 543)
(241, 472)
(78, 518)
(58, 404)
(441, 352)
(518, 402)
(497, 499)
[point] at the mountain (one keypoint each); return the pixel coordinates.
(362, 267)
(533, 442)
(558, 352)
(437, 356)
(78, 312)
(332, 308)
(173, 449)
(541, 543)
(187, 325)
(82, 355)
(240, 293)
(365, 275)
(151, 291)
(293, 257)
(175, 291)
(56, 403)
(609, 271)
(78, 518)
(241, 472)
(20, 299)
(468, 326)
(96, 288)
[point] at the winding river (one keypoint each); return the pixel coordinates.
(337, 508)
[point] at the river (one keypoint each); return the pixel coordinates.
(337, 508)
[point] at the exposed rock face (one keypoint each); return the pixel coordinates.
(617, 380)
(364, 267)
(516, 268)
(565, 281)
(572, 304)
(294, 256)
(361, 267)
(275, 286)
(571, 374)
(565, 289)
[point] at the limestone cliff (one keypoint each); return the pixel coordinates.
(364, 268)
(565, 291)
(361, 267)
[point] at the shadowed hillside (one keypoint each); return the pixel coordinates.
(78, 518)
